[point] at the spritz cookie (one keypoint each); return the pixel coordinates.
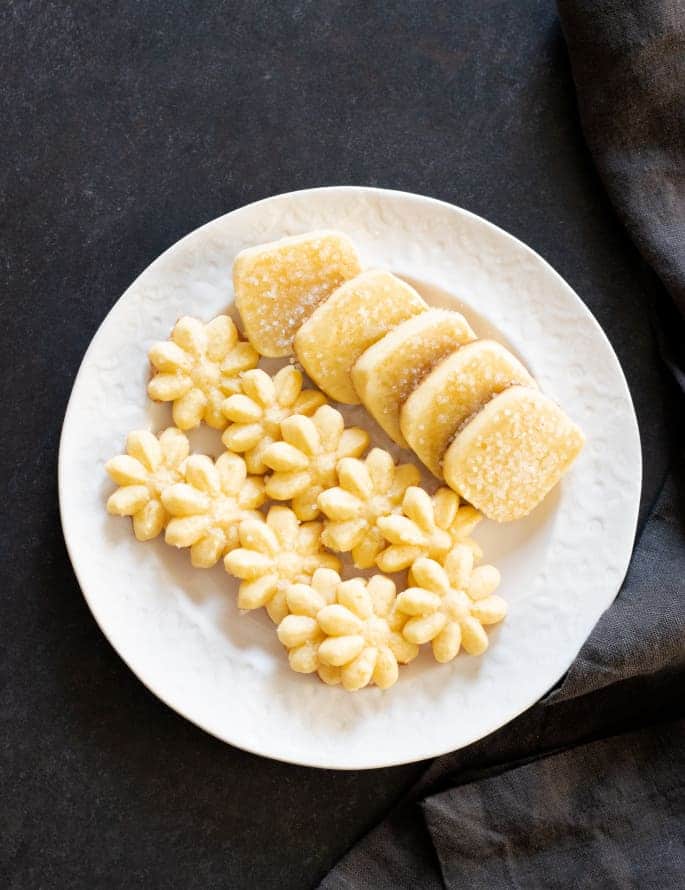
(305, 461)
(355, 316)
(299, 631)
(151, 464)
(452, 392)
(512, 453)
(450, 604)
(367, 490)
(256, 412)
(197, 368)
(209, 505)
(274, 553)
(387, 373)
(427, 526)
(355, 640)
(278, 285)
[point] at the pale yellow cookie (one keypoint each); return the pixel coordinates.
(257, 410)
(299, 631)
(427, 526)
(304, 463)
(197, 368)
(151, 464)
(512, 453)
(388, 372)
(208, 507)
(452, 392)
(355, 316)
(278, 285)
(367, 490)
(449, 605)
(354, 640)
(274, 553)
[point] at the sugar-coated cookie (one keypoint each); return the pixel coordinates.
(355, 316)
(278, 285)
(389, 370)
(512, 453)
(453, 391)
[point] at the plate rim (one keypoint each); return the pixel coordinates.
(322, 763)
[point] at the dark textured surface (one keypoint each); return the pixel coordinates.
(628, 70)
(124, 126)
(536, 825)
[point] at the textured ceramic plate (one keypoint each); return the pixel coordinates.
(178, 628)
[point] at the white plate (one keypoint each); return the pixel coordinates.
(179, 629)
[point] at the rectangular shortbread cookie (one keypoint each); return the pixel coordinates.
(512, 453)
(454, 390)
(359, 313)
(278, 285)
(387, 373)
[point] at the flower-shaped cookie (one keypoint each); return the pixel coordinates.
(197, 368)
(354, 640)
(150, 465)
(367, 490)
(429, 526)
(208, 507)
(300, 628)
(257, 411)
(274, 553)
(449, 606)
(304, 463)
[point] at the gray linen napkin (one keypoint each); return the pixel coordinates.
(502, 813)
(539, 826)
(628, 61)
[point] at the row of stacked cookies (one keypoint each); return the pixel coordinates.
(285, 443)
(467, 407)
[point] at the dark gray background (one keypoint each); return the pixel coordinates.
(124, 126)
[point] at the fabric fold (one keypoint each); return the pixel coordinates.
(557, 822)
(628, 63)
